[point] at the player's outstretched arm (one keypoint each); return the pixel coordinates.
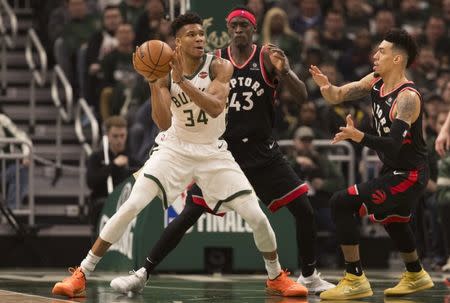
(214, 99)
(337, 94)
(408, 110)
(275, 59)
(160, 100)
(442, 144)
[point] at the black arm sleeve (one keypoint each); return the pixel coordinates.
(391, 145)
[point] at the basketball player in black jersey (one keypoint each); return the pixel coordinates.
(397, 109)
(257, 73)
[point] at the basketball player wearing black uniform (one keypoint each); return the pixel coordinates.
(257, 71)
(397, 109)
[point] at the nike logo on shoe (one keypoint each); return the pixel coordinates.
(396, 172)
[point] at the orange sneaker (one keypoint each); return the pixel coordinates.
(73, 286)
(283, 286)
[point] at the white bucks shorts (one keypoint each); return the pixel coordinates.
(174, 164)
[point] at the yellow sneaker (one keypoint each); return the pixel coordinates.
(350, 287)
(410, 282)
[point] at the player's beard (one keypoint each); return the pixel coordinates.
(376, 75)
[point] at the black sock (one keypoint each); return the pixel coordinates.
(354, 268)
(308, 269)
(149, 266)
(413, 266)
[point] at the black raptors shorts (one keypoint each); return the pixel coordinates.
(391, 196)
(276, 183)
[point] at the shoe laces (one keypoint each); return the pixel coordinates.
(134, 273)
(344, 280)
(283, 278)
(76, 272)
(407, 279)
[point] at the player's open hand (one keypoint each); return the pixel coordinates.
(319, 77)
(278, 58)
(348, 132)
(177, 65)
(442, 143)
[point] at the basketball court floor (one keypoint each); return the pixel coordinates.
(20, 286)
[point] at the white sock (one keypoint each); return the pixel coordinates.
(273, 268)
(88, 264)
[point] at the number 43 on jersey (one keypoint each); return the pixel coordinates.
(246, 104)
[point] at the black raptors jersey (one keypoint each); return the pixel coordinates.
(250, 112)
(250, 102)
(413, 152)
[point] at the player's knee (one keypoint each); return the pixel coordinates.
(259, 222)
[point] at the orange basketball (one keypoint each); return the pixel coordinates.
(152, 58)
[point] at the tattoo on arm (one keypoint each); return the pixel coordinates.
(354, 91)
(407, 107)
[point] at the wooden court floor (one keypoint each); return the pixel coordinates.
(20, 286)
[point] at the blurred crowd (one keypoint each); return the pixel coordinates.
(94, 40)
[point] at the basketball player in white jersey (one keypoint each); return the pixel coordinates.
(189, 106)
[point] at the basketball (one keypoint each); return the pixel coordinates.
(152, 58)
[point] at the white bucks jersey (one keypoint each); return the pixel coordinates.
(189, 122)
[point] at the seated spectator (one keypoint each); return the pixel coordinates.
(76, 32)
(436, 37)
(446, 93)
(131, 10)
(333, 37)
(355, 63)
(143, 132)
(357, 15)
(259, 8)
(443, 78)
(100, 44)
(276, 30)
(9, 130)
(384, 21)
(312, 55)
(151, 25)
(309, 16)
(446, 12)
(432, 105)
(323, 176)
(424, 73)
(124, 90)
(308, 116)
(412, 15)
(122, 164)
(58, 17)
